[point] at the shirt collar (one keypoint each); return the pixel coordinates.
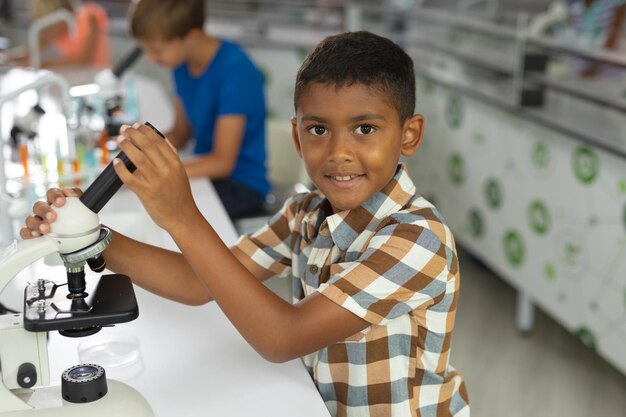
(346, 225)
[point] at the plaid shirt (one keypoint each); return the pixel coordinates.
(392, 262)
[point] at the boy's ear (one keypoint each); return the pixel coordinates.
(194, 33)
(295, 137)
(412, 134)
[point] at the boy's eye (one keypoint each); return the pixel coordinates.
(365, 130)
(317, 130)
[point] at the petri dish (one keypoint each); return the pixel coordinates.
(119, 354)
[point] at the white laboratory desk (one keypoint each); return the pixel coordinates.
(193, 362)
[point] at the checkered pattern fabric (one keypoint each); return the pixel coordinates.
(392, 262)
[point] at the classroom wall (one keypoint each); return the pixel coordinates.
(547, 212)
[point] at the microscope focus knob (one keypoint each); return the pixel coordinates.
(83, 383)
(26, 375)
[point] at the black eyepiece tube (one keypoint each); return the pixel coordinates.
(126, 62)
(107, 183)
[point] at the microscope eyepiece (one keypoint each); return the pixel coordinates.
(107, 183)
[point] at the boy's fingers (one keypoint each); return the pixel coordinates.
(172, 147)
(44, 211)
(149, 142)
(55, 196)
(135, 154)
(35, 224)
(72, 192)
(26, 233)
(125, 175)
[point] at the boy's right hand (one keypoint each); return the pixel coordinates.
(43, 214)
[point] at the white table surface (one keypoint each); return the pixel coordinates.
(193, 362)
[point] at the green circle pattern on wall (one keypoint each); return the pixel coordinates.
(456, 169)
(540, 155)
(550, 271)
(514, 248)
(454, 110)
(587, 337)
(479, 138)
(476, 222)
(586, 164)
(493, 193)
(539, 217)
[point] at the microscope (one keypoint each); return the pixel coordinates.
(74, 309)
(110, 90)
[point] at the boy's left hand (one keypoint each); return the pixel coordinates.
(160, 180)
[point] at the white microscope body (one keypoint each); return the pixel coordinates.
(24, 371)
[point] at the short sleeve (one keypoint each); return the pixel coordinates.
(404, 267)
(271, 246)
(239, 88)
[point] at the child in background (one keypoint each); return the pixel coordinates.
(374, 263)
(88, 46)
(220, 100)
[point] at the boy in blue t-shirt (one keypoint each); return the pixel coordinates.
(220, 100)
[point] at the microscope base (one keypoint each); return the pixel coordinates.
(121, 400)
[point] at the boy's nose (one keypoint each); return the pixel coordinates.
(340, 148)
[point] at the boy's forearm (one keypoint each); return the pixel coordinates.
(277, 330)
(262, 318)
(157, 270)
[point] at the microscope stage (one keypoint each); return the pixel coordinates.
(47, 306)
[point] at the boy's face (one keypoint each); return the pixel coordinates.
(351, 139)
(167, 53)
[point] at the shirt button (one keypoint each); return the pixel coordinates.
(313, 269)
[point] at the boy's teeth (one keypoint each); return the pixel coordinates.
(346, 178)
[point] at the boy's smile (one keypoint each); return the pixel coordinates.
(351, 139)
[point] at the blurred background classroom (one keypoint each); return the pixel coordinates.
(524, 154)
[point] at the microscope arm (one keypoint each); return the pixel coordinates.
(23, 253)
(76, 227)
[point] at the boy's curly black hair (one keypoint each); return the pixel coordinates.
(361, 58)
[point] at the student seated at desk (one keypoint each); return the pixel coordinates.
(220, 100)
(88, 46)
(374, 263)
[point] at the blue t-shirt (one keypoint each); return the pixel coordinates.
(230, 85)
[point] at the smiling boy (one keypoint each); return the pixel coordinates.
(373, 264)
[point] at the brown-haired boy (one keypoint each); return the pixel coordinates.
(220, 101)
